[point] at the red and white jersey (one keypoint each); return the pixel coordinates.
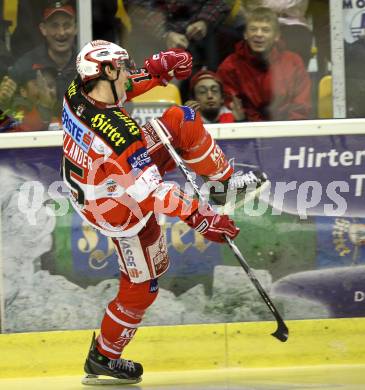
(114, 183)
(193, 142)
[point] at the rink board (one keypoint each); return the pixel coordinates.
(87, 260)
(193, 347)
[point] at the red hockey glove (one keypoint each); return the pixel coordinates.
(184, 66)
(162, 64)
(212, 226)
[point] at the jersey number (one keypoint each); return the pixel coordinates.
(142, 78)
(71, 167)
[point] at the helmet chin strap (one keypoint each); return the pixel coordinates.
(118, 101)
(112, 85)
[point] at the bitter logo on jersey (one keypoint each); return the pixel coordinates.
(102, 123)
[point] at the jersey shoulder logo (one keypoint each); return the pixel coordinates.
(189, 113)
(80, 133)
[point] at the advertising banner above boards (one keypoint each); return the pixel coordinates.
(304, 236)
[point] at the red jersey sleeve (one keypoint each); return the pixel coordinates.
(195, 144)
(141, 81)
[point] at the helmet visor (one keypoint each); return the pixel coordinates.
(124, 65)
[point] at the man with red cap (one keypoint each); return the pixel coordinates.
(206, 92)
(58, 28)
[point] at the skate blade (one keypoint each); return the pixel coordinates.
(230, 206)
(95, 380)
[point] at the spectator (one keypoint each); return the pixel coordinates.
(38, 101)
(26, 34)
(7, 90)
(206, 91)
(271, 83)
(192, 25)
(59, 30)
(58, 51)
(33, 106)
(7, 86)
(294, 28)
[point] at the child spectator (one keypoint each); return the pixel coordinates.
(33, 107)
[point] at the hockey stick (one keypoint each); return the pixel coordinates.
(282, 331)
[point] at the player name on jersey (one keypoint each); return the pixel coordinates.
(73, 151)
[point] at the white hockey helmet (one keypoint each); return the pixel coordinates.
(95, 53)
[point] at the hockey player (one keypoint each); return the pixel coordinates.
(114, 171)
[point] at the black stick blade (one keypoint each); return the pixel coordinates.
(282, 332)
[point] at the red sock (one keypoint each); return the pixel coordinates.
(124, 314)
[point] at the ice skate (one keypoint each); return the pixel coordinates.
(101, 370)
(239, 189)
